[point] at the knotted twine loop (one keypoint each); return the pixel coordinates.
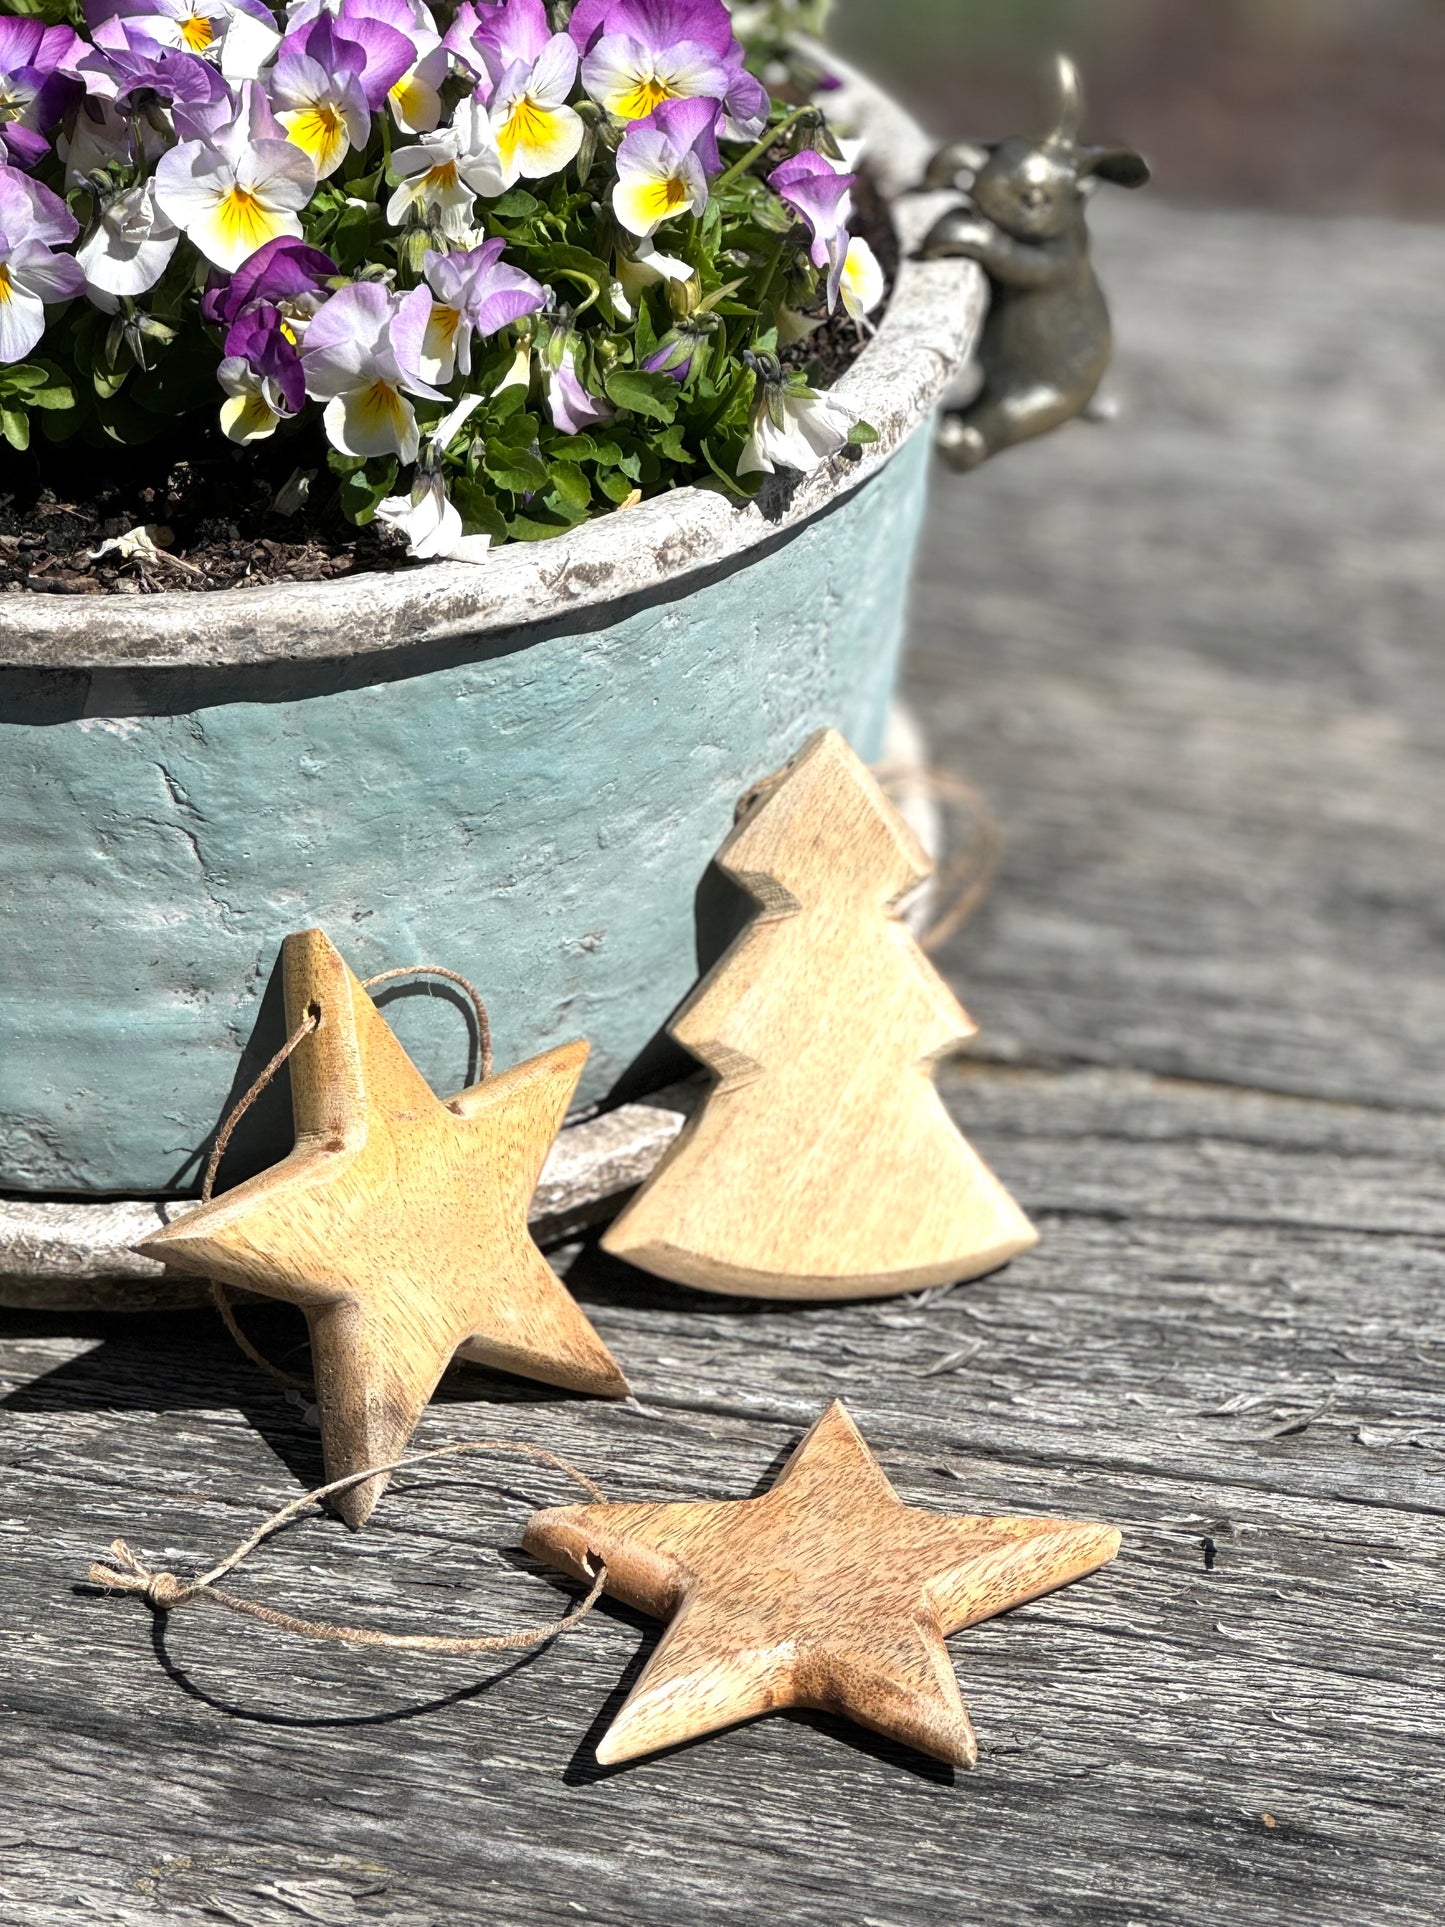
(164, 1592)
(311, 1022)
(968, 881)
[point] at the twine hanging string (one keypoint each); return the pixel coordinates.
(309, 1023)
(965, 885)
(164, 1592)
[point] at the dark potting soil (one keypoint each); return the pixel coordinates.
(209, 508)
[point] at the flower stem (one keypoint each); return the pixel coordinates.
(756, 153)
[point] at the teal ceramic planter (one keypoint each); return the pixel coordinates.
(520, 771)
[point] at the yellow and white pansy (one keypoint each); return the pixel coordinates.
(632, 79)
(660, 173)
(233, 193)
(416, 99)
(361, 356)
(235, 38)
(324, 111)
(864, 283)
(440, 178)
(538, 134)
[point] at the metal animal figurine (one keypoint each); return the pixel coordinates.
(1047, 343)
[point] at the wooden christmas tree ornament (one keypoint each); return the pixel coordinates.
(398, 1224)
(824, 1163)
(826, 1592)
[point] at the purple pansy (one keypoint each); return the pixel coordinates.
(823, 194)
(375, 52)
(362, 356)
(663, 165)
(261, 338)
(35, 92)
(286, 273)
(572, 408)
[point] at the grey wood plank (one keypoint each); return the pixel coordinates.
(1194, 663)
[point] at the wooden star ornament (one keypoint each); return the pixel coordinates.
(398, 1224)
(827, 1591)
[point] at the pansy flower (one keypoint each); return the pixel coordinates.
(529, 77)
(261, 374)
(441, 177)
(823, 194)
(324, 87)
(662, 165)
(239, 36)
(291, 275)
(474, 292)
(238, 189)
(34, 91)
(793, 426)
(130, 246)
(864, 282)
(640, 53)
(361, 356)
(33, 222)
(570, 403)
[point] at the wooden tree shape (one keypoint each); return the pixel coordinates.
(824, 1163)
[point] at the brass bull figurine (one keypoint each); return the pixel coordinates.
(1047, 342)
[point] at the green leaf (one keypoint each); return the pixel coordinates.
(862, 434)
(654, 396)
(526, 528)
(571, 488)
(350, 241)
(616, 487)
(365, 487)
(15, 426)
(746, 486)
(340, 464)
(516, 206)
(508, 403)
(515, 469)
(55, 389)
(479, 511)
(671, 444)
(573, 448)
(63, 426)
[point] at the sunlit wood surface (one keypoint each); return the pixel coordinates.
(1195, 660)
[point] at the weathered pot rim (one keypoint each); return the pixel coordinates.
(925, 338)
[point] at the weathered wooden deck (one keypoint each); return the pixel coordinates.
(1196, 663)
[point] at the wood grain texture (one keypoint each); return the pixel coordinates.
(825, 1591)
(398, 1224)
(1194, 663)
(823, 1162)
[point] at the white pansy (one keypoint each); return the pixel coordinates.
(444, 173)
(795, 428)
(131, 245)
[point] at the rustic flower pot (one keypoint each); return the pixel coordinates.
(520, 770)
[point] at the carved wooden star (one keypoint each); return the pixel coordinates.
(399, 1225)
(827, 1591)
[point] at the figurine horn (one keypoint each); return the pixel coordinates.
(1071, 106)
